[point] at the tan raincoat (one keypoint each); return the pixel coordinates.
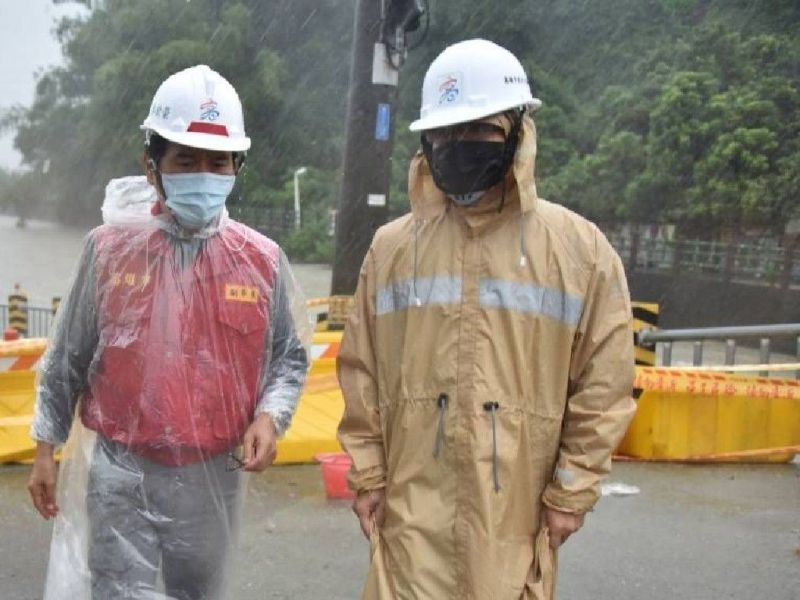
(487, 369)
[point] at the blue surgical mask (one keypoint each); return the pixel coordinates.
(196, 198)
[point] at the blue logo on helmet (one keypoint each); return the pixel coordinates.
(449, 89)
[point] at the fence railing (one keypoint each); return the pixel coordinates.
(765, 334)
(276, 223)
(767, 264)
(39, 320)
(279, 222)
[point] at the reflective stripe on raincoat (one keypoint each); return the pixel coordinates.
(487, 370)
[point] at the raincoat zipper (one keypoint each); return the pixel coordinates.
(491, 407)
(441, 402)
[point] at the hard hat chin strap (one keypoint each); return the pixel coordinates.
(512, 142)
(151, 164)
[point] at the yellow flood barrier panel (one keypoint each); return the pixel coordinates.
(696, 416)
(18, 360)
(324, 349)
(314, 424)
(15, 442)
(683, 415)
(313, 428)
(19, 355)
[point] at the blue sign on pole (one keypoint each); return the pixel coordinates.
(382, 122)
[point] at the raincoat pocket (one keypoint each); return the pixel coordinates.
(377, 586)
(248, 320)
(541, 582)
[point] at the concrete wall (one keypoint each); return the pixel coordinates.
(691, 301)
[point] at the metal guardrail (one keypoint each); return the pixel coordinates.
(39, 320)
(764, 263)
(764, 333)
(275, 222)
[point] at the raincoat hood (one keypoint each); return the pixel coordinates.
(166, 222)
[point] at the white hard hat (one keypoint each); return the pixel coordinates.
(471, 80)
(198, 107)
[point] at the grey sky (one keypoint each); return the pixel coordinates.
(27, 45)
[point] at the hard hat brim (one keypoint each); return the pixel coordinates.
(464, 114)
(205, 141)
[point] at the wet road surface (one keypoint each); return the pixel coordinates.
(693, 532)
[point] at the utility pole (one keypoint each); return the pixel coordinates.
(378, 52)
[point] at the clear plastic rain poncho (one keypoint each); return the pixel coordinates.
(166, 348)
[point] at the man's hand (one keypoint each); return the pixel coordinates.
(42, 482)
(369, 505)
(260, 444)
(561, 525)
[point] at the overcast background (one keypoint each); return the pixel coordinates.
(27, 46)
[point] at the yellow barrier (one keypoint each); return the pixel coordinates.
(685, 415)
(313, 428)
(17, 349)
(324, 349)
(314, 424)
(335, 317)
(18, 360)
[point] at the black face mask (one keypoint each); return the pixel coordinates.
(469, 166)
(462, 168)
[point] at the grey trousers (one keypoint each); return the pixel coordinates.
(145, 517)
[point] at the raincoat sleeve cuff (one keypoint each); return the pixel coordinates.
(39, 433)
(281, 419)
(574, 502)
(43, 431)
(367, 480)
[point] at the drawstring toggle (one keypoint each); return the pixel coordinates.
(491, 407)
(441, 402)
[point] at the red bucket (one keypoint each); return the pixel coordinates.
(335, 466)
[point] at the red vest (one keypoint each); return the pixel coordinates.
(180, 350)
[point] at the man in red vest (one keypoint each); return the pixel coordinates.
(178, 350)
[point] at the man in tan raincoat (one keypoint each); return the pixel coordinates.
(488, 364)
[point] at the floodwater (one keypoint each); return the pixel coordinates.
(41, 257)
